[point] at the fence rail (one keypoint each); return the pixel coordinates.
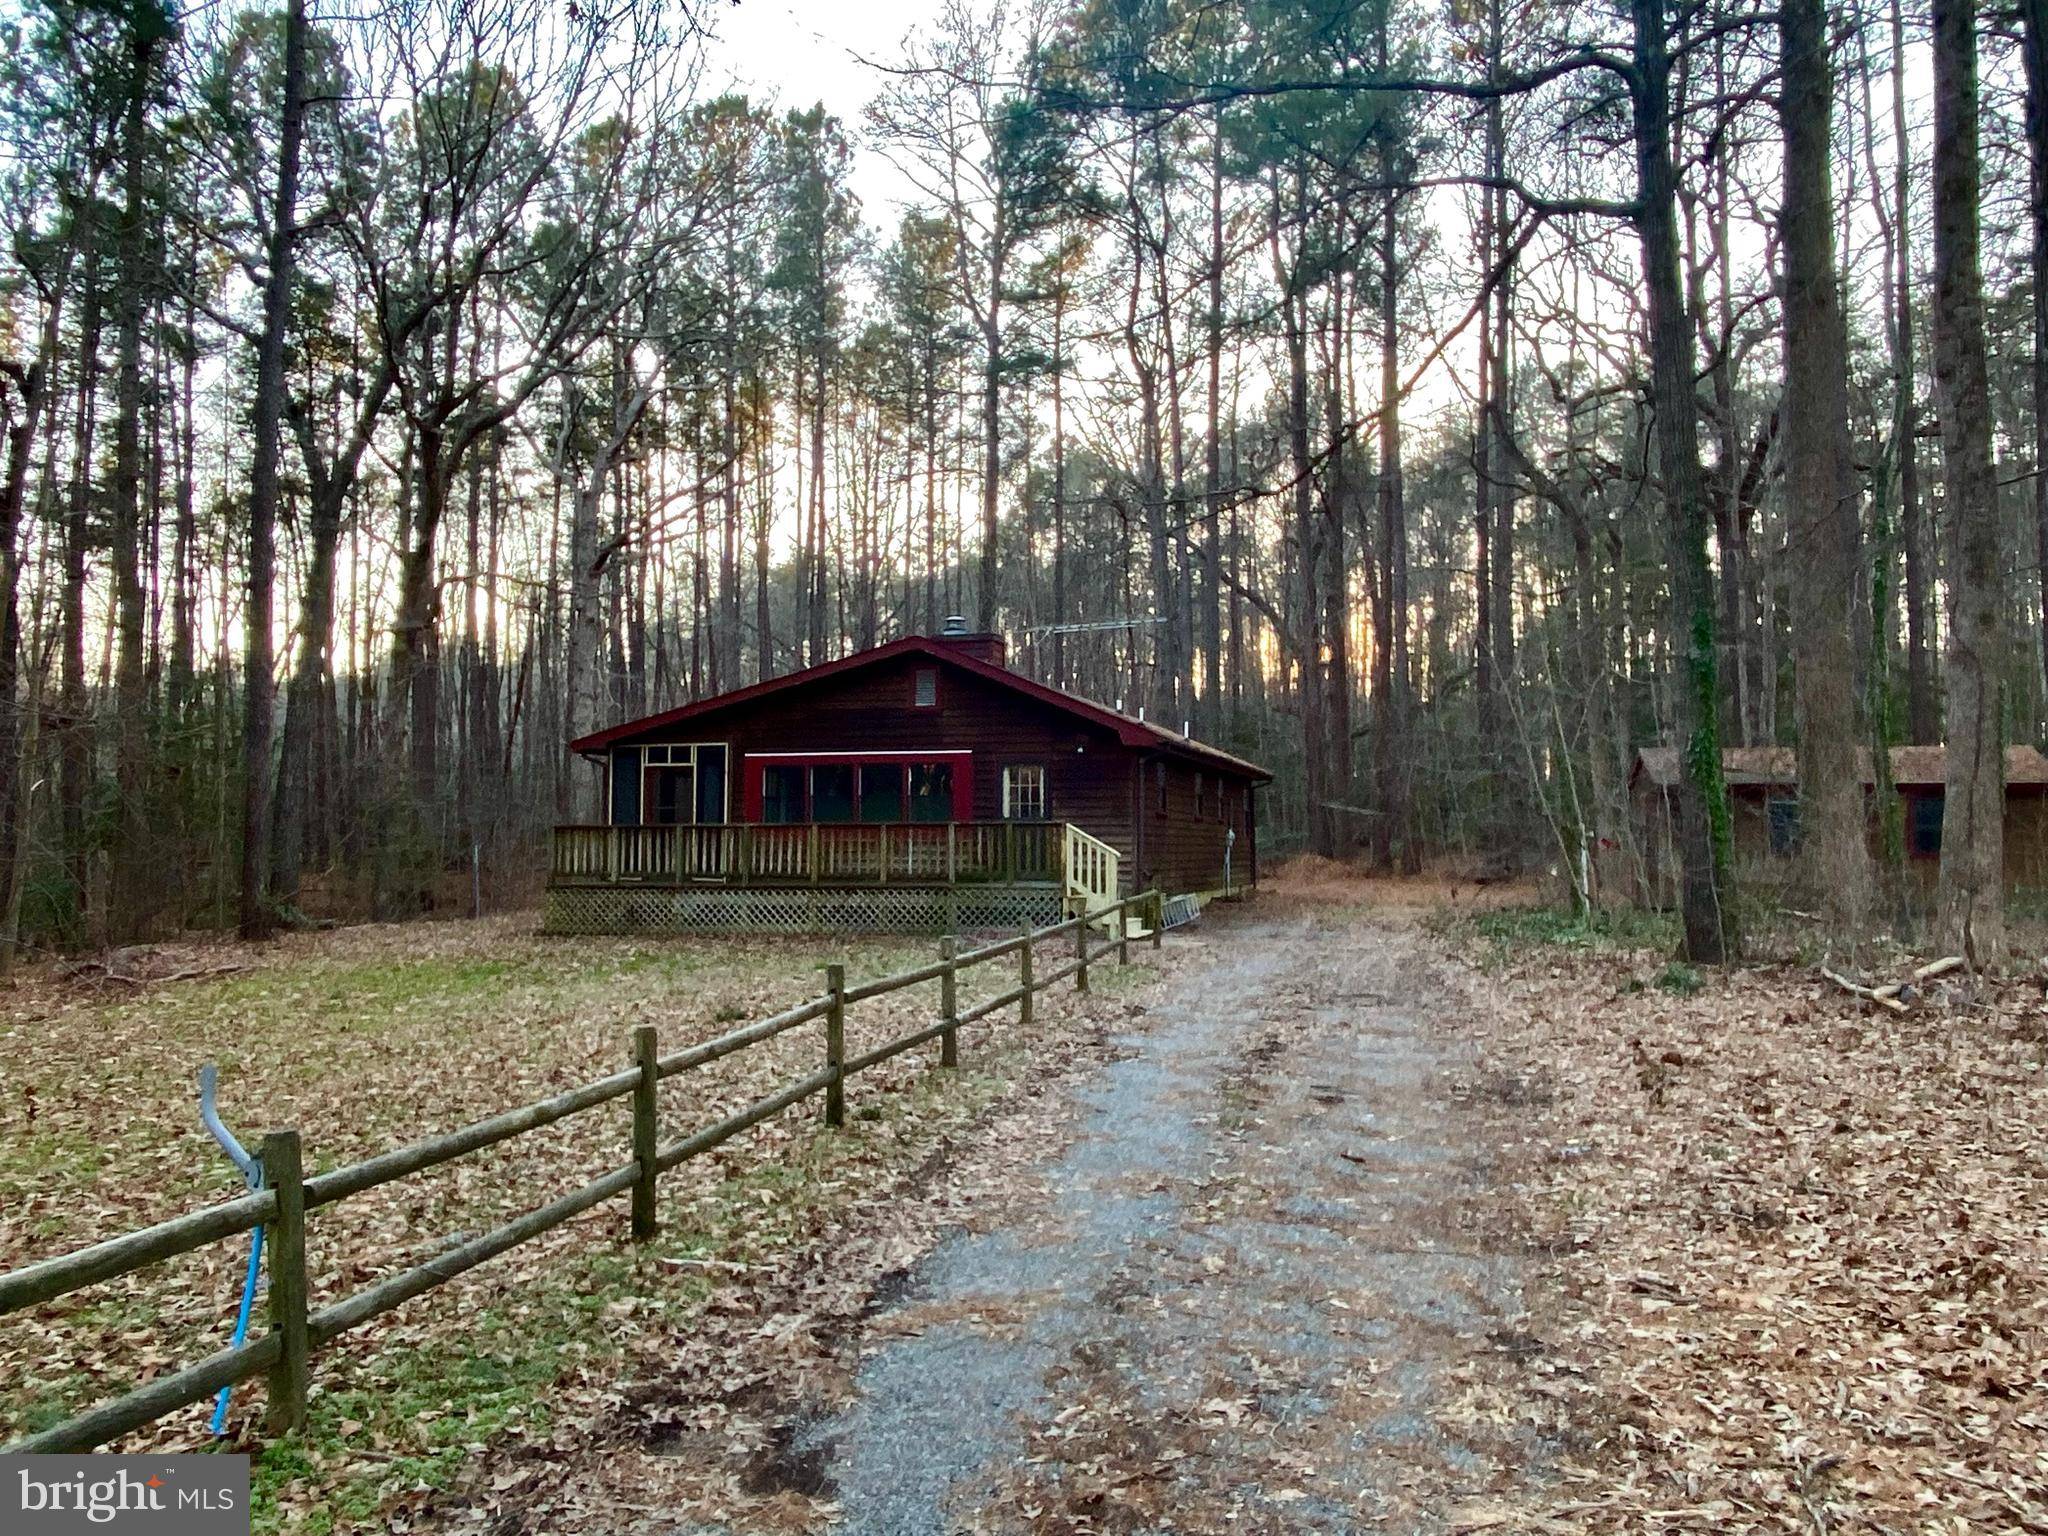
(284, 1353)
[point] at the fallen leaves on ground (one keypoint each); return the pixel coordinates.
(1798, 1247)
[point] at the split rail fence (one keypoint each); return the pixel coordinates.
(285, 1353)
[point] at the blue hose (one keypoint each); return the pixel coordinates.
(252, 1175)
(220, 1403)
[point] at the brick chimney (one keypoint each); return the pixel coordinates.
(983, 647)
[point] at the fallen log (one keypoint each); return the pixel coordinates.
(1869, 994)
(1926, 972)
(1892, 994)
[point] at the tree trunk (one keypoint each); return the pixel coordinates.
(2034, 17)
(1923, 723)
(1336, 597)
(1703, 827)
(764, 522)
(1307, 624)
(75, 753)
(1059, 481)
(1970, 892)
(991, 431)
(1151, 477)
(1212, 459)
(1394, 764)
(587, 695)
(1482, 535)
(134, 869)
(254, 916)
(1820, 487)
(180, 690)
(305, 696)
(411, 710)
(34, 385)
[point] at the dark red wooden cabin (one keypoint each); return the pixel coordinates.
(921, 784)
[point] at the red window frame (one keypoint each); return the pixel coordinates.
(756, 762)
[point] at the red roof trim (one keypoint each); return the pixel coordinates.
(1132, 733)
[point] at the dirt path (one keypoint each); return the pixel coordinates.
(1248, 1295)
(1248, 1287)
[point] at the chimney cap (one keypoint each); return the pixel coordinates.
(954, 624)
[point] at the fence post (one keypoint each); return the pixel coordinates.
(645, 1056)
(1081, 952)
(1024, 977)
(284, 1175)
(949, 1005)
(1123, 932)
(1158, 918)
(835, 1045)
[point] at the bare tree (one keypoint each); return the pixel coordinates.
(1821, 499)
(1970, 895)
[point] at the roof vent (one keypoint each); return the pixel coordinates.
(954, 624)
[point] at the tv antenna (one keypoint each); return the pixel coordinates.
(1093, 626)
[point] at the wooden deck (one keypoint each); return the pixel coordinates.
(944, 854)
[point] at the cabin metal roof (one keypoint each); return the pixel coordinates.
(1129, 730)
(1778, 767)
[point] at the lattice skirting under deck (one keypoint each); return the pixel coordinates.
(886, 909)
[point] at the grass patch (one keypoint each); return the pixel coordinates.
(1679, 979)
(1617, 928)
(368, 1038)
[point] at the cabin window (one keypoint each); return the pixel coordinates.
(711, 784)
(626, 787)
(1024, 792)
(1201, 795)
(1159, 786)
(924, 692)
(832, 792)
(931, 792)
(671, 795)
(669, 784)
(1784, 814)
(1923, 835)
(881, 792)
(782, 793)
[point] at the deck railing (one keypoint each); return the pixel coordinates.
(910, 853)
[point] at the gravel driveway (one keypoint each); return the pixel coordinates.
(1249, 1295)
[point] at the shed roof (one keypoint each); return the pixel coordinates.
(1778, 766)
(1129, 730)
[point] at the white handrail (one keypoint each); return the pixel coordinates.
(1092, 869)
